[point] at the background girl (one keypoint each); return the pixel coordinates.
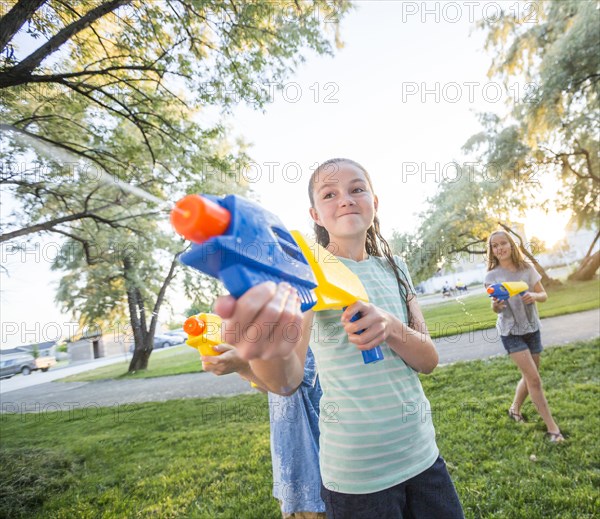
(519, 325)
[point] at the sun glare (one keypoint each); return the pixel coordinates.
(548, 227)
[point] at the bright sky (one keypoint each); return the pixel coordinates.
(400, 98)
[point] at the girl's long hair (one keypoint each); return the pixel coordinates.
(515, 253)
(375, 244)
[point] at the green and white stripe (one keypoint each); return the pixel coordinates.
(376, 423)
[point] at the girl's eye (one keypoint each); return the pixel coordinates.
(358, 190)
(327, 195)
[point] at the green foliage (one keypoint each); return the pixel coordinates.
(174, 361)
(557, 128)
(208, 458)
(550, 133)
(122, 87)
(457, 221)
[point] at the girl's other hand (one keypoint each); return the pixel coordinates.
(375, 322)
(529, 298)
(264, 323)
(498, 305)
(227, 362)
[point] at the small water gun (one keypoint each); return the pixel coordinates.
(503, 291)
(337, 286)
(204, 332)
(242, 244)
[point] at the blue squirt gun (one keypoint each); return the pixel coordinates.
(240, 243)
(504, 291)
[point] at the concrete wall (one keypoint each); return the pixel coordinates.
(95, 348)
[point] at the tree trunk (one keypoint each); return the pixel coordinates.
(588, 268)
(140, 358)
(143, 342)
(142, 335)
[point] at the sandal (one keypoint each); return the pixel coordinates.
(515, 416)
(555, 437)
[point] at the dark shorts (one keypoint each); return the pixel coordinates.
(529, 341)
(429, 495)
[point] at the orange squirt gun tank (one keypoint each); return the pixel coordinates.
(204, 332)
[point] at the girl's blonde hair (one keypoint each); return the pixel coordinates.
(515, 253)
(375, 244)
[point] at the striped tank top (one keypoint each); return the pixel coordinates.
(376, 423)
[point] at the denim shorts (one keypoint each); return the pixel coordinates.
(530, 341)
(429, 495)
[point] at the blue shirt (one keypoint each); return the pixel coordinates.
(295, 444)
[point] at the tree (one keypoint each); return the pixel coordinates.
(152, 64)
(556, 125)
(458, 220)
(121, 85)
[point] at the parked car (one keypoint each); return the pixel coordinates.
(164, 341)
(180, 334)
(15, 363)
(45, 363)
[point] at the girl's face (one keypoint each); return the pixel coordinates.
(343, 201)
(501, 247)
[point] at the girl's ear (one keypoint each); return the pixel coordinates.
(314, 215)
(376, 202)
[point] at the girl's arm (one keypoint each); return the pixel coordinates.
(538, 294)
(268, 329)
(283, 375)
(413, 344)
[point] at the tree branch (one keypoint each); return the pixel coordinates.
(21, 72)
(12, 21)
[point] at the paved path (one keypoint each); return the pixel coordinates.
(50, 396)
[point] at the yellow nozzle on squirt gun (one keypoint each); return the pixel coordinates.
(503, 291)
(204, 332)
(337, 286)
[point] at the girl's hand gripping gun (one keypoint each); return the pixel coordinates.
(204, 332)
(338, 287)
(242, 244)
(504, 291)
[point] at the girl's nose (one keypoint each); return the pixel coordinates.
(346, 200)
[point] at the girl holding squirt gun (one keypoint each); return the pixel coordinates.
(519, 324)
(378, 454)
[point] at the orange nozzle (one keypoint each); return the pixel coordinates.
(194, 326)
(490, 290)
(197, 219)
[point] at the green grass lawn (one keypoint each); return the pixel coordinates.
(448, 318)
(207, 458)
(172, 361)
(473, 312)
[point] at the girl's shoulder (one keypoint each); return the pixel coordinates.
(533, 275)
(491, 276)
(401, 263)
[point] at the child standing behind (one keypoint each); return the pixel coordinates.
(519, 325)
